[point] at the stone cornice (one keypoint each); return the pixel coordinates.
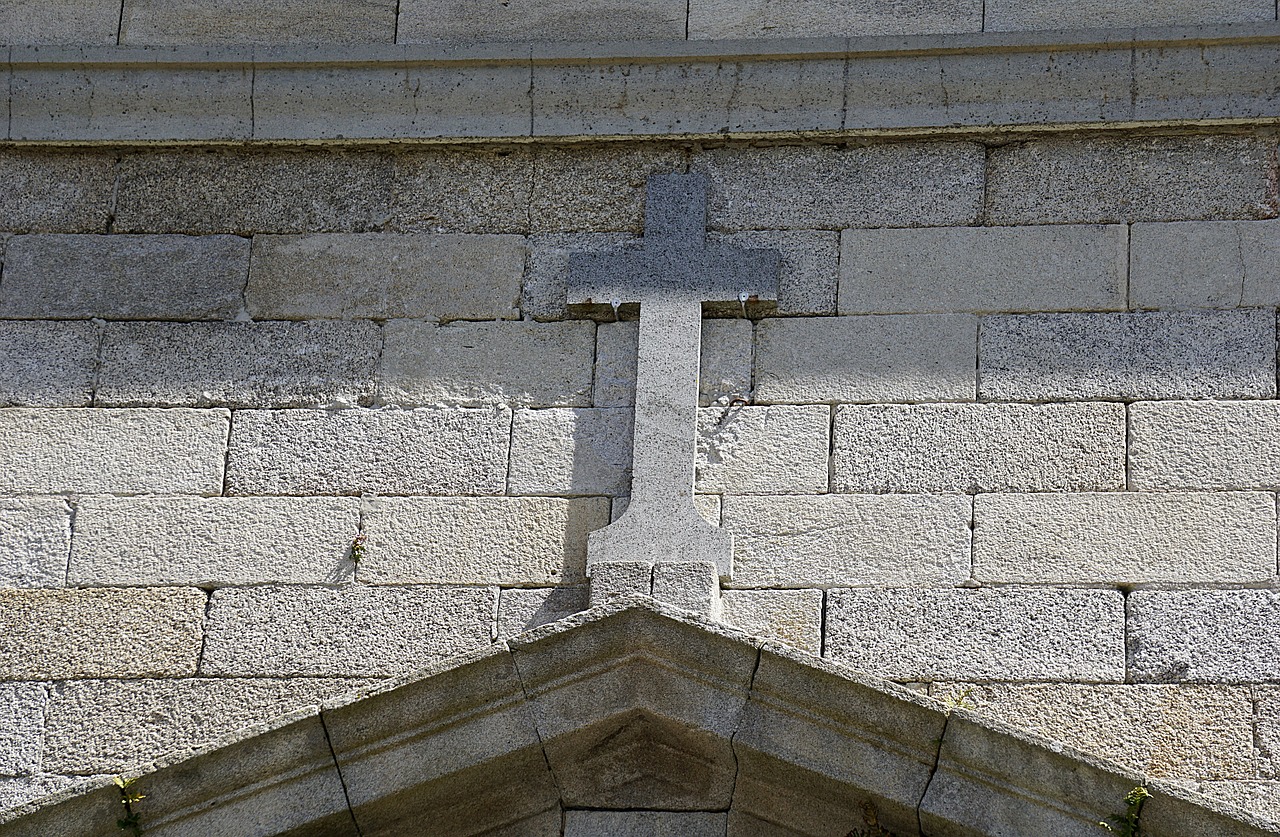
(863, 87)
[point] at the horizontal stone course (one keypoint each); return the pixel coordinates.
(237, 21)
(483, 189)
(1205, 264)
(1009, 15)
(438, 21)
(47, 364)
(66, 191)
(546, 281)
(596, 188)
(573, 452)
(809, 274)
(59, 21)
(520, 610)
(22, 713)
(793, 616)
(1204, 636)
(813, 18)
(724, 368)
(35, 540)
(1204, 444)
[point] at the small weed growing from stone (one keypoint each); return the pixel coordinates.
(358, 547)
(963, 700)
(1129, 824)
(132, 820)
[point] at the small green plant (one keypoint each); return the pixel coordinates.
(132, 820)
(1129, 824)
(962, 700)
(358, 547)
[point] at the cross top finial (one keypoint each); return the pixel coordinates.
(676, 211)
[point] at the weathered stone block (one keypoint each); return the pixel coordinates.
(1007, 634)
(344, 276)
(47, 364)
(571, 452)
(474, 190)
(438, 21)
(1124, 538)
(212, 541)
(546, 284)
(1266, 716)
(764, 450)
(255, 21)
(56, 191)
(812, 18)
(524, 364)
(125, 277)
(1038, 268)
(22, 712)
(688, 585)
(643, 824)
(599, 188)
(810, 266)
(611, 579)
(979, 447)
(1205, 264)
(1204, 636)
(706, 505)
(1261, 799)
(100, 633)
(59, 22)
(833, 187)
(520, 610)
(1010, 15)
(931, 357)
(1204, 444)
(348, 631)
(112, 451)
(793, 616)
(23, 789)
(829, 540)
(440, 451)
(306, 364)
(35, 540)
(1150, 354)
(1129, 179)
(479, 540)
(725, 365)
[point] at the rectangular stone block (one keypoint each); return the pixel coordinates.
(1145, 354)
(345, 631)
(257, 21)
(439, 21)
(56, 191)
(834, 187)
(23, 789)
(524, 364)
(22, 713)
(596, 188)
(793, 616)
(1011, 15)
(829, 540)
(57, 634)
(1205, 264)
(520, 610)
(481, 189)
(706, 505)
(931, 357)
(943, 269)
(546, 282)
(1204, 444)
(1265, 700)
(59, 21)
(890, 448)
(479, 540)
(1204, 636)
(1006, 634)
(571, 452)
(763, 450)
(813, 18)
(440, 451)
(47, 364)
(212, 541)
(308, 364)
(1125, 538)
(1260, 798)
(439, 277)
(810, 268)
(724, 367)
(1129, 179)
(124, 277)
(44, 451)
(35, 541)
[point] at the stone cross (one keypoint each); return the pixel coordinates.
(674, 272)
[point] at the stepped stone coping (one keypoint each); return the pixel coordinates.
(630, 706)
(835, 87)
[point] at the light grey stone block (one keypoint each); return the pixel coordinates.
(1007, 634)
(520, 610)
(59, 22)
(1129, 179)
(706, 505)
(931, 357)
(482, 189)
(793, 616)
(1204, 444)
(688, 585)
(154, 632)
(47, 451)
(1038, 268)
(126, 277)
(347, 631)
(22, 713)
(347, 276)
(1262, 799)
(1205, 264)
(1125, 538)
(307, 364)
(812, 18)
(546, 284)
(810, 266)
(524, 364)
(571, 452)
(596, 188)
(212, 541)
(835, 540)
(428, 451)
(1265, 701)
(257, 21)
(611, 579)
(831, 187)
(764, 450)
(47, 364)
(1149, 354)
(20, 790)
(479, 540)
(35, 540)
(644, 824)
(979, 447)
(1011, 15)
(438, 21)
(56, 191)
(724, 369)
(1199, 636)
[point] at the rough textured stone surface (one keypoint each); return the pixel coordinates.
(1213, 636)
(546, 284)
(22, 712)
(1008, 15)
(428, 451)
(597, 188)
(829, 540)
(930, 357)
(256, 21)
(832, 187)
(343, 276)
(813, 18)
(692, 586)
(643, 824)
(520, 610)
(1125, 537)
(763, 450)
(1204, 444)
(47, 364)
(1039, 268)
(476, 190)
(59, 22)
(724, 374)
(707, 506)
(1262, 799)
(524, 364)
(112, 451)
(349, 630)
(1129, 179)
(85, 718)
(307, 364)
(479, 540)
(126, 277)
(810, 266)
(1266, 701)
(611, 579)
(212, 541)
(1010, 634)
(1205, 264)
(793, 616)
(35, 540)
(439, 21)
(51, 191)
(979, 447)
(571, 452)
(100, 633)
(1153, 354)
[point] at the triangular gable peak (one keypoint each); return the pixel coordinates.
(631, 718)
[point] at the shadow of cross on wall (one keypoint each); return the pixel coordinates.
(671, 276)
